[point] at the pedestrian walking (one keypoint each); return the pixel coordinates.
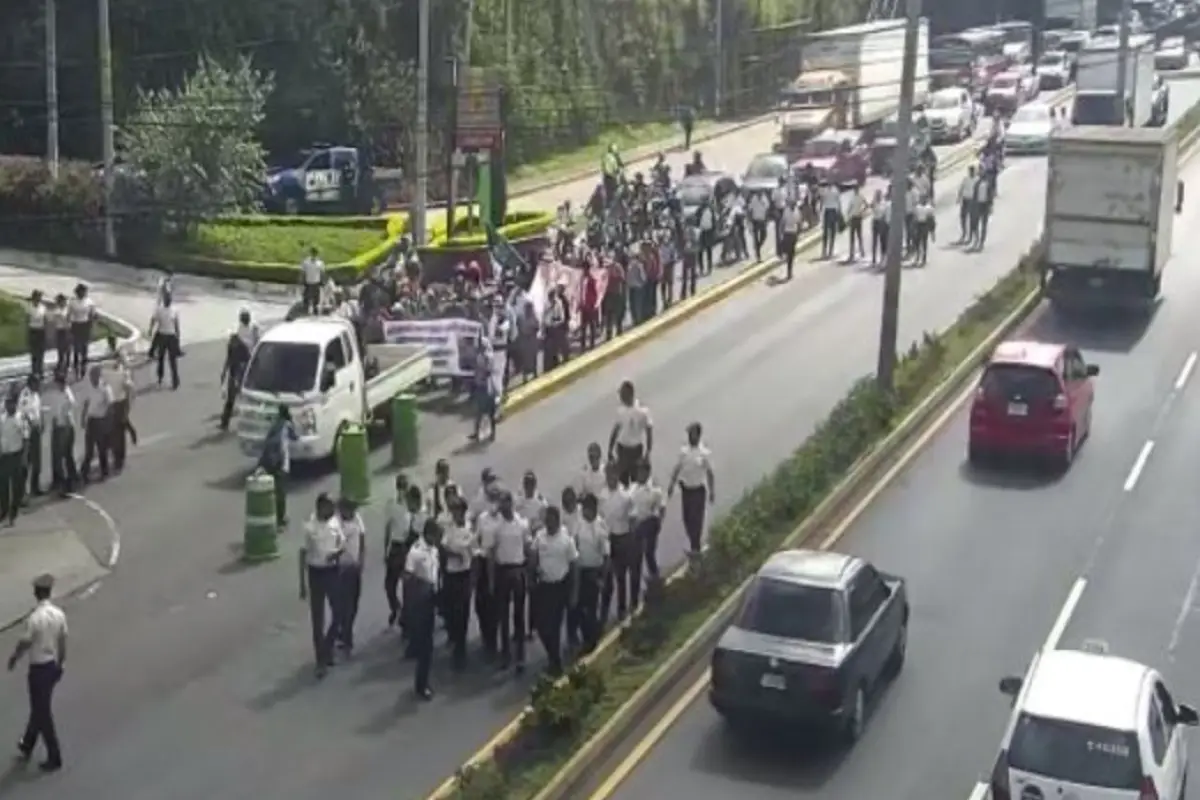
(350, 570)
(97, 424)
(856, 211)
(788, 228)
(625, 578)
(81, 312)
(507, 542)
(484, 516)
(422, 579)
(881, 225)
(34, 410)
(485, 391)
(233, 370)
(831, 218)
(395, 531)
(164, 337)
(554, 555)
(312, 279)
(35, 332)
(594, 545)
(44, 645)
(687, 121)
(760, 210)
(982, 207)
(966, 202)
(648, 502)
(58, 326)
(925, 222)
(323, 546)
(531, 505)
(60, 415)
(123, 432)
(632, 437)
(14, 447)
(590, 479)
(693, 474)
(458, 550)
(276, 459)
(418, 518)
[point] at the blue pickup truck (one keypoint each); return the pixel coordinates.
(329, 179)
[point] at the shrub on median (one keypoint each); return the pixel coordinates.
(563, 716)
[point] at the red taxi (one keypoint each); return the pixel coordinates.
(1034, 398)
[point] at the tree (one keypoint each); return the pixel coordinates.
(193, 150)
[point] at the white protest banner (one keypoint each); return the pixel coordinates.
(451, 342)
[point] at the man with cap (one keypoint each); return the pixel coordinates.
(323, 546)
(350, 569)
(44, 643)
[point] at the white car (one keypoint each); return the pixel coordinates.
(1053, 70)
(1171, 54)
(1087, 725)
(1030, 128)
(951, 115)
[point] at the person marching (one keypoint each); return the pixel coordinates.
(422, 577)
(632, 436)
(595, 548)
(649, 504)
(44, 643)
(625, 577)
(276, 459)
(831, 218)
(418, 518)
(483, 516)
(531, 505)
(924, 223)
(35, 332)
(237, 357)
(760, 211)
(164, 338)
(570, 517)
(856, 211)
(350, 570)
(788, 228)
(81, 313)
(323, 546)
(438, 498)
(590, 479)
(312, 278)
(693, 473)
(14, 446)
(881, 223)
(395, 529)
(458, 551)
(34, 409)
(123, 390)
(966, 204)
(554, 554)
(507, 543)
(60, 412)
(58, 324)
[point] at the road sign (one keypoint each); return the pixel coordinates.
(479, 119)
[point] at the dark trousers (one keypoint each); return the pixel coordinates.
(350, 593)
(281, 491)
(879, 240)
(310, 298)
(624, 579)
(33, 465)
(510, 611)
(421, 614)
(551, 604)
(36, 340)
(830, 219)
(63, 473)
(167, 347)
(583, 623)
(40, 683)
(393, 572)
(687, 276)
(854, 228)
(12, 484)
(964, 220)
(232, 387)
(323, 591)
(759, 232)
(96, 440)
(485, 606)
(614, 308)
(62, 344)
(81, 336)
(708, 240)
(694, 503)
(122, 429)
(628, 459)
(456, 598)
(787, 248)
(647, 531)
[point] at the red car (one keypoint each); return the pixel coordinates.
(1034, 398)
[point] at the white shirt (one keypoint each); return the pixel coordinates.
(591, 541)
(166, 321)
(555, 554)
(882, 211)
(37, 316)
(435, 497)
(779, 196)
(248, 334)
(921, 185)
(322, 541)
(396, 527)
(913, 198)
(313, 271)
(693, 465)
(966, 190)
(533, 509)
(30, 405)
(14, 431)
(80, 311)
(508, 541)
(480, 504)
(353, 531)
(56, 318)
(422, 562)
(98, 400)
(165, 287)
(789, 221)
(759, 207)
(60, 407)
(121, 383)
(831, 199)
(458, 541)
(633, 423)
(706, 219)
(647, 500)
(983, 192)
(616, 509)
(923, 212)
(44, 627)
(857, 208)
(589, 481)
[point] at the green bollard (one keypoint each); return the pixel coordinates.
(404, 430)
(353, 466)
(259, 538)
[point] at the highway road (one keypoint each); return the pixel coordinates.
(191, 676)
(1000, 564)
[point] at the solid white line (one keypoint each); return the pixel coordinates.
(1186, 372)
(114, 533)
(1135, 473)
(981, 792)
(1185, 610)
(1064, 615)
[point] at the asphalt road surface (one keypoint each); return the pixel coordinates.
(991, 559)
(190, 675)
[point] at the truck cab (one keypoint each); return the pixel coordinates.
(316, 368)
(813, 102)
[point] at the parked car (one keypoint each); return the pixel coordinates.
(1171, 54)
(1030, 129)
(951, 115)
(837, 156)
(764, 172)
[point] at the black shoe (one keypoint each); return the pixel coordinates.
(424, 694)
(392, 617)
(50, 766)
(23, 754)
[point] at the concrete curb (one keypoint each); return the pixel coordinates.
(14, 367)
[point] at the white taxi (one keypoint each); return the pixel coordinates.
(1092, 726)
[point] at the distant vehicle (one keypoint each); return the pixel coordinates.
(1017, 36)
(329, 180)
(1086, 724)
(1074, 41)
(696, 191)
(837, 156)
(951, 115)
(764, 173)
(1029, 130)
(816, 635)
(886, 139)
(1172, 54)
(1034, 399)
(1054, 70)
(1006, 93)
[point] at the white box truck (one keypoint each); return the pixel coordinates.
(315, 367)
(1110, 207)
(1080, 15)
(1096, 101)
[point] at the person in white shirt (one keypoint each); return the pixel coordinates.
(400, 541)
(779, 201)
(788, 227)
(760, 212)
(350, 570)
(60, 412)
(484, 526)
(707, 222)
(924, 222)
(593, 544)
(555, 554)
(395, 531)
(881, 225)
(44, 644)
(164, 339)
(312, 279)
(632, 437)
(324, 543)
(81, 313)
(649, 503)
(508, 547)
(458, 552)
(693, 474)
(590, 479)
(35, 332)
(911, 198)
(831, 218)
(14, 447)
(530, 504)
(856, 212)
(625, 577)
(97, 418)
(438, 496)
(423, 579)
(58, 326)
(981, 212)
(123, 390)
(166, 286)
(31, 406)
(966, 200)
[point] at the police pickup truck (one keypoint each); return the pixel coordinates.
(816, 635)
(330, 180)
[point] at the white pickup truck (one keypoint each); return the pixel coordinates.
(315, 367)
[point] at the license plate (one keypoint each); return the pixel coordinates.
(1018, 410)
(776, 682)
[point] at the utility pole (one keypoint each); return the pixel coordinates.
(719, 91)
(1123, 60)
(52, 87)
(422, 187)
(889, 323)
(106, 127)
(508, 35)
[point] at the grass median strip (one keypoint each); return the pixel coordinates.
(14, 324)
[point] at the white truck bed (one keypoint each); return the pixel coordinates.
(401, 367)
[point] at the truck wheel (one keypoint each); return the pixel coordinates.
(291, 206)
(856, 716)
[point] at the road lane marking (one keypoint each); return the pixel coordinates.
(1064, 616)
(1135, 473)
(114, 533)
(981, 792)
(1185, 610)
(1186, 372)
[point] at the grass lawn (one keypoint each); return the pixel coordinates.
(282, 244)
(626, 137)
(13, 319)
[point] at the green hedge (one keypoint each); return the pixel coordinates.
(565, 715)
(519, 225)
(14, 320)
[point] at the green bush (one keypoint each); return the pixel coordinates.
(518, 225)
(38, 211)
(562, 719)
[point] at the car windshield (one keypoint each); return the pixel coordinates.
(1004, 82)
(944, 101)
(1009, 381)
(1073, 753)
(766, 167)
(694, 193)
(1031, 114)
(790, 611)
(821, 148)
(283, 368)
